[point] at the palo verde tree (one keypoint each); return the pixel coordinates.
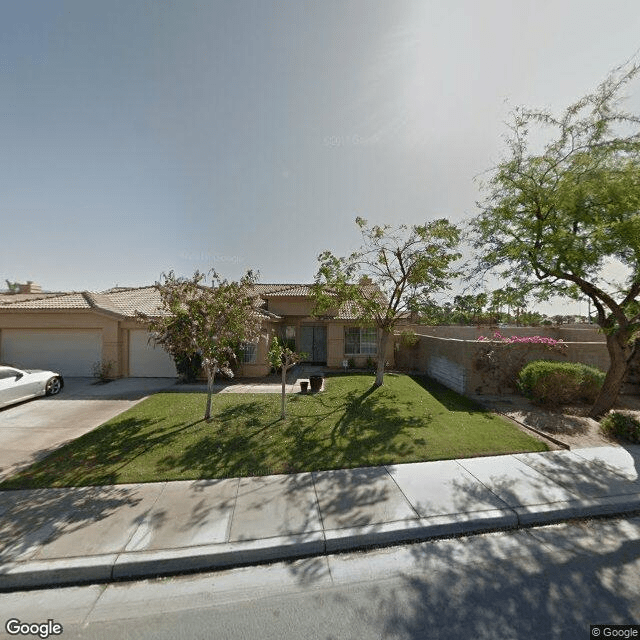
(554, 219)
(283, 357)
(209, 320)
(396, 271)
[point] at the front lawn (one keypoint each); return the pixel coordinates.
(350, 424)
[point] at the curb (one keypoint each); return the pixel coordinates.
(135, 565)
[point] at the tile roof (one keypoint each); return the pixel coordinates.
(293, 290)
(125, 302)
(142, 299)
(59, 301)
(348, 311)
(19, 297)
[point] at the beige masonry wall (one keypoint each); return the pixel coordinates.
(335, 345)
(261, 368)
(566, 333)
(453, 362)
(293, 306)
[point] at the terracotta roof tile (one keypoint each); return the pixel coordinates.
(293, 290)
(127, 301)
(60, 301)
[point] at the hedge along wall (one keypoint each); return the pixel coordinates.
(462, 366)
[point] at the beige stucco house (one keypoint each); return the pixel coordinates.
(71, 332)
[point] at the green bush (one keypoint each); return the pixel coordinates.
(556, 383)
(188, 366)
(619, 425)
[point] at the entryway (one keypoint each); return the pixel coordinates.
(313, 342)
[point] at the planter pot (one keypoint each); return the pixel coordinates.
(316, 383)
(304, 385)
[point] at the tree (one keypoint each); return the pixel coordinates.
(211, 321)
(283, 357)
(394, 273)
(516, 300)
(13, 287)
(553, 220)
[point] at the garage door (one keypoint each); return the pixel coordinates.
(147, 361)
(71, 352)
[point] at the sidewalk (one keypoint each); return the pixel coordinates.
(97, 534)
(297, 374)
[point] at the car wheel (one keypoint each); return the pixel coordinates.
(53, 386)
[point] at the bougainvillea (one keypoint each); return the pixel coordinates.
(501, 358)
(548, 342)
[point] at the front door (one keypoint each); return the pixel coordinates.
(313, 342)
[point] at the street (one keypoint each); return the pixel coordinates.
(546, 582)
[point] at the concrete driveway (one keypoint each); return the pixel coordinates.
(31, 430)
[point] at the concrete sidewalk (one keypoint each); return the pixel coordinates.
(273, 384)
(97, 534)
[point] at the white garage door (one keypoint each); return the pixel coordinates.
(147, 361)
(71, 352)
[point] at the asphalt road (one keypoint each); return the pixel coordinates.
(548, 582)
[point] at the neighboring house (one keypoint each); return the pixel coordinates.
(71, 332)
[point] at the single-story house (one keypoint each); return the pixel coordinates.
(72, 332)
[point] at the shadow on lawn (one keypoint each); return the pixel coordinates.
(447, 397)
(319, 435)
(98, 456)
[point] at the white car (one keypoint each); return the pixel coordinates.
(17, 385)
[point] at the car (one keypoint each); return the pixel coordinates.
(17, 385)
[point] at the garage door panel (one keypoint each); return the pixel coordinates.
(71, 352)
(147, 360)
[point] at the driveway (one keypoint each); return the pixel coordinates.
(31, 430)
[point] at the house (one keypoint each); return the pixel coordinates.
(72, 332)
(329, 340)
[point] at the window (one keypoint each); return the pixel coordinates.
(289, 337)
(360, 341)
(249, 353)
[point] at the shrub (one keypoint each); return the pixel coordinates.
(188, 366)
(103, 370)
(555, 383)
(620, 425)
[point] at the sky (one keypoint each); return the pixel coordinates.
(142, 136)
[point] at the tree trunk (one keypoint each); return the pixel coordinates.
(211, 374)
(620, 353)
(383, 340)
(284, 391)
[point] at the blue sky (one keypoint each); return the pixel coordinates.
(140, 136)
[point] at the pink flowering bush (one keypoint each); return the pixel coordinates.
(501, 358)
(548, 342)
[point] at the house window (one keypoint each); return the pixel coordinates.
(249, 353)
(360, 341)
(290, 337)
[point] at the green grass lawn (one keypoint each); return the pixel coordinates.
(350, 424)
